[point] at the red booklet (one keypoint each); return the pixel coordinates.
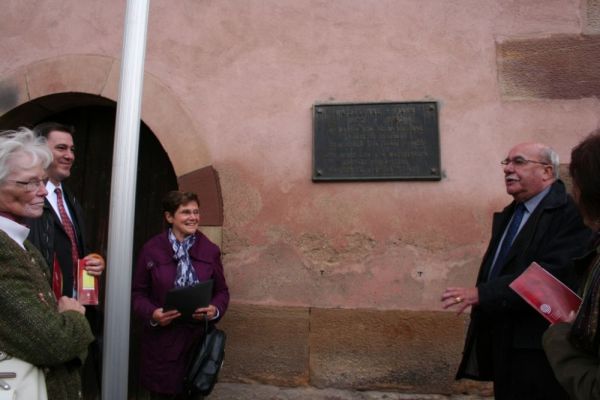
(544, 292)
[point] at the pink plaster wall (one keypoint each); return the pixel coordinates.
(248, 72)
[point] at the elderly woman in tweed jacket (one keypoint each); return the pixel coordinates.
(34, 326)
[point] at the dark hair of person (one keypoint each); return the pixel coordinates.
(174, 199)
(45, 128)
(585, 171)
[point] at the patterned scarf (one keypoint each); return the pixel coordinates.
(584, 333)
(186, 274)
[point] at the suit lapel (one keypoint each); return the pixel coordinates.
(499, 222)
(55, 216)
(72, 214)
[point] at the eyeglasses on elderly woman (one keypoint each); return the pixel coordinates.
(29, 186)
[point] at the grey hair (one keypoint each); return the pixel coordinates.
(551, 157)
(22, 141)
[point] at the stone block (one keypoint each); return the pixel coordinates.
(591, 20)
(213, 233)
(556, 67)
(411, 351)
(173, 126)
(77, 73)
(266, 345)
(205, 183)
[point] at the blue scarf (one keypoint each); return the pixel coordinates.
(186, 274)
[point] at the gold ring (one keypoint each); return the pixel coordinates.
(458, 299)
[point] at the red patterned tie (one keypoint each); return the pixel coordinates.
(68, 226)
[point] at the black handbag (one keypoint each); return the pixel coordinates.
(206, 362)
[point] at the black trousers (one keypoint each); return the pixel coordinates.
(527, 375)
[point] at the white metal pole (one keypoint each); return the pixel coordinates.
(115, 363)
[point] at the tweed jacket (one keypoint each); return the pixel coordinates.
(552, 236)
(577, 371)
(32, 329)
(165, 350)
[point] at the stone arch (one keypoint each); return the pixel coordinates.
(56, 84)
(99, 75)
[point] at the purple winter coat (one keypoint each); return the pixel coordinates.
(165, 351)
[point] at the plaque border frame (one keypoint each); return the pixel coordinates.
(434, 176)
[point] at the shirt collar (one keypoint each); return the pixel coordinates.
(15, 231)
(532, 203)
(51, 186)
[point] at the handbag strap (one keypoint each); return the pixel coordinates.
(205, 340)
(203, 343)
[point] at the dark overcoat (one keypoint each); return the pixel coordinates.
(552, 236)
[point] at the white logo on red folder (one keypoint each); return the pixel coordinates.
(545, 308)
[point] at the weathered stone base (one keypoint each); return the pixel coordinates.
(231, 391)
(396, 350)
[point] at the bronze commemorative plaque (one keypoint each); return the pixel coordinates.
(376, 141)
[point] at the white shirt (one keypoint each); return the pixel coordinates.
(53, 199)
(14, 230)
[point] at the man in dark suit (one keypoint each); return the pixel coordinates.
(542, 224)
(59, 234)
(49, 233)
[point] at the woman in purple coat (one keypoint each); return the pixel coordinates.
(178, 257)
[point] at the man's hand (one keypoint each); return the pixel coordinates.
(460, 297)
(94, 264)
(571, 317)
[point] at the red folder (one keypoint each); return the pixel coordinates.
(549, 296)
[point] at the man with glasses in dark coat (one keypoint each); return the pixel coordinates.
(542, 224)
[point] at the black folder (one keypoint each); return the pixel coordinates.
(187, 299)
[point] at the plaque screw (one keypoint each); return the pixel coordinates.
(319, 172)
(319, 111)
(431, 108)
(434, 171)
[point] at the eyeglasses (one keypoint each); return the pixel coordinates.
(187, 213)
(30, 185)
(520, 161)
